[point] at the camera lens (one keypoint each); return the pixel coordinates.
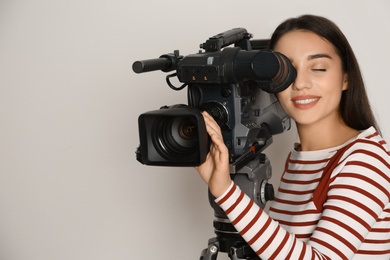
(177, 137)
(187, 130)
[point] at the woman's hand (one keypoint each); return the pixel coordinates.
(215, 170)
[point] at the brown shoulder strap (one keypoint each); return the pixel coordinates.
(320, 195)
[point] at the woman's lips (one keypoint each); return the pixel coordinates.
(305, 102)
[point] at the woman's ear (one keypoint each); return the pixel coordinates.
(345, 82)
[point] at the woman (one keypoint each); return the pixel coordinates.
(333, 200)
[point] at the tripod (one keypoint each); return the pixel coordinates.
(250, 172)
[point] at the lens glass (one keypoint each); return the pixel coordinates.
(177, 137)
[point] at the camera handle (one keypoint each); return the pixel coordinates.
(252, 179)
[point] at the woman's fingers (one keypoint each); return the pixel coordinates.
(218, 147)
(209, 120)
(212, 126)
(215, 170)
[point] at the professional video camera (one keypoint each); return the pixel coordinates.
(235, 85)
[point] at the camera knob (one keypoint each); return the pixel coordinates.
(266, 192)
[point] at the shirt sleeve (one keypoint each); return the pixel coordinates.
(358, 197)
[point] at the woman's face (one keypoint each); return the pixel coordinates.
(314, 97)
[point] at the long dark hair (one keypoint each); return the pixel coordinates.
(355, 108)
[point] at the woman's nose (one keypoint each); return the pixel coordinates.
(301, 82)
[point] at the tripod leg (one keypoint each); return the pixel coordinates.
(211, 252)
(238, 254)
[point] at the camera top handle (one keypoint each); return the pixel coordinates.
(236, 36)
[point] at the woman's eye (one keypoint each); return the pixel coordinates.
(319, 69)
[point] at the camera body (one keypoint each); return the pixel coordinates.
(235, 85)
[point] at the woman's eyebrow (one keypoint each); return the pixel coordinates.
(317, 56)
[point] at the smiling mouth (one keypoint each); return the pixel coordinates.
(305, 101)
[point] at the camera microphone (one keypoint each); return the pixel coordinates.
(166, 63)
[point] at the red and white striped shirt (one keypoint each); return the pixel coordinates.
(353, 220)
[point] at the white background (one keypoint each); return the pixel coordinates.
(70, 187)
